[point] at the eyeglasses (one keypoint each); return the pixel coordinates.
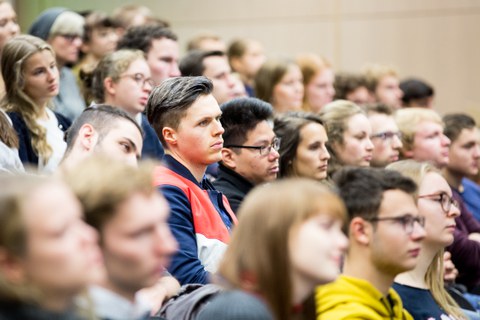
(387, 135)
(263, 150)
(407, 221)
(445, 200)
(140, 79)
(70, 37)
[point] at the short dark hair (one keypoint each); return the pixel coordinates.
(192, 64)
(455, 123)
(362, 188)
(102, 117)
(416, 90)
(141, 37)
(241, 115)
(381, 108)
(169, 101)
(288, 127)
(346, 83)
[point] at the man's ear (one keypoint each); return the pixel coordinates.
(109, 86)
(11, 267)
(87, 136)
(229, 158)
(360, 231)
(170, 135)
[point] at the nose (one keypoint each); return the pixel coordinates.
(218, 128)
(397, 143)
(418, 232)
(331, 91)
(476, 151)
(273, 155)
(77, 42)
(324, 155)
(165, 243)
(454, 211)
(88, 234)
(369, 144)
(174, 70)
(445, 141)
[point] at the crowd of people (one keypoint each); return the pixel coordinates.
(224, 184)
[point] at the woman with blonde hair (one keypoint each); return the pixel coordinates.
(31, 79)
(421, 289)
(288, 240)
(48, 254)
(318, 79)
(348, 131)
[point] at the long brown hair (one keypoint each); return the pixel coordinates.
(258, 257)
(14, 55)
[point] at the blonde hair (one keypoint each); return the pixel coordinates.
(335, 116)
(434, 275)
(14, 55)
(310, 64)
(267, 217)
(375, 72)
(407, 120)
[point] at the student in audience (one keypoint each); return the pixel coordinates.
(63, 30)
(385, 233)
(31, 77)
(417, 94)
(206, 42)
(280, 82)
(348, 131)
(104, 130)
(9, 28)
(250, 152)
(186, 117)
(48, 254)
(386, 137)
(99, 39)
(352, 87)
(133, 15)
(213, 65)
(296, 224)
(9, 158)
(383, 85)
(422, 289)
(422, 136)
(123, 79)
(318, 78)
(246, 56)
(123, 205)
(160, 47)
(303, 147)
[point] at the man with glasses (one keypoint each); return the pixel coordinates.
(250, 153)
(463, 161)
(186, 118)
(63, 30)
(385, 231)
(386, 137)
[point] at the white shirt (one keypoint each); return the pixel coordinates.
(55, 139)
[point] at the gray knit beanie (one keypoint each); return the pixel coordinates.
(43, 23)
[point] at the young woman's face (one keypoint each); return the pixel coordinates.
(439, 225)
(287, 95)
(62, 254)
(316, 248)
(320, 91)
(357, 148)
(103, 40)
(41, 75)
(311, 158)
(8, 23)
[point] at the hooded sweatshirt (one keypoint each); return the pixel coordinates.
(353, 298)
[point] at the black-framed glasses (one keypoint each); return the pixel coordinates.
(407, 221)
(444, 199)
(140, 79)
(263, 150)
(387, 135)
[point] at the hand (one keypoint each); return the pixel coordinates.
(475, 236)
(450, 272)
(165, 288)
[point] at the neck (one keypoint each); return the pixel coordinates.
(56, 302)
(416, 277)
(453, 179)
(127, 294)
(198, 171)
(302, 288)
(361, 267)
(110, 100)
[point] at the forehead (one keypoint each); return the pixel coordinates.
(262, 131)
(382, 122)
(426, 127)
(388, 80)
(215, 63)
(6, 10)
(41, 56)
(139, 66)
(397, 203)
(292, 71)
(433, 182)
(358, 122)
(164, 46)
(125, 128)
(204, 106)
(468, 134)
(313, 131)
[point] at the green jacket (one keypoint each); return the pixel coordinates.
(353, 298)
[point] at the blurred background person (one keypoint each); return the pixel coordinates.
(383, 85)
(280, 83)
(206, 41)
(351, 87)
(417, 94)
(9, 28)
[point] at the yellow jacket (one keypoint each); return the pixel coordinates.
(353, 298)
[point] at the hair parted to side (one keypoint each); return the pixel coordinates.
(335, 116)
(14, 195)
(192, 64)
(241, 115)
(288, 127)
(311, 64)
(346, 83)
(103, 185)
(102, 118)
(269, 75)
(168, 103)
(268, 216)
(141, 37)
(455, 123)
(407, 120)
(362, 188)
(14, 55)
(434, 275)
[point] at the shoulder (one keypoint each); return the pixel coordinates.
(63, 122)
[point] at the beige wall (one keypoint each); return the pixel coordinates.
(434, 39)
